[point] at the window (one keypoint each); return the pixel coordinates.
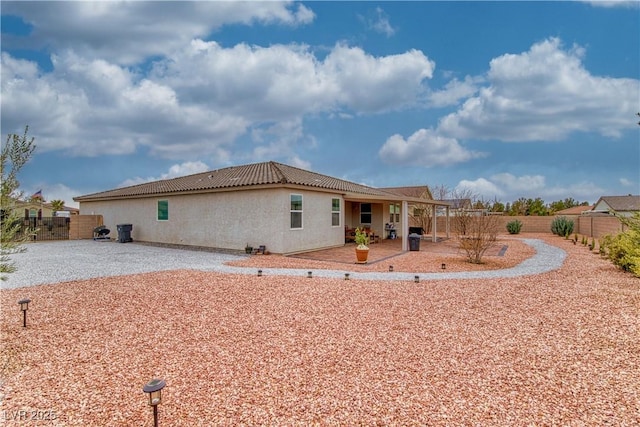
(335, 212)
(296, 210)
(163, 210)
(365, 213)
(33, 213)
(394, 213)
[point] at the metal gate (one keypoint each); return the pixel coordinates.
(46, 228)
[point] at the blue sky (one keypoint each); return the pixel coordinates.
(503, 99)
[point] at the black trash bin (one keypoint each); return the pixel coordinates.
(414, 242)
(124, 233)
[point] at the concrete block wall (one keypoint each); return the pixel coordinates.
(590, 226)
(81, 226)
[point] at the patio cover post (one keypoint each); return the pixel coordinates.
(405, 225)
(435, 223)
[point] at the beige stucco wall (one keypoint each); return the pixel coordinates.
(227, 220)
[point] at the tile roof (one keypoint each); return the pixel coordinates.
(622, 203)
(575, 210)
(237, 177)
(411, 191)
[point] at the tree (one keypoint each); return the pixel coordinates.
(537, 207)
(16, 152)
(475, 230)
(461, 213)
(57, 205)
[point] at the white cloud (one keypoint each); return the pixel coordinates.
(56, 192)
(380, 23)
(544, 94)
(512, 183)
(508, 187)
(201, 98)
(369, 84)
(175, 171)
(481, 188)
(425, 148)
(454, 91)
(129, 32)
(626, 182)
(615, 3)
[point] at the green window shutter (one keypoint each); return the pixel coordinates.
(163, 210)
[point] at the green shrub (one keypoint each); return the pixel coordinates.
(514, 227)
(624, 249)
(562, 226)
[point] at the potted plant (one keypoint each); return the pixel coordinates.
(362, 250)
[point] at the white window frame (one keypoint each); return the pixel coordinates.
(296, 211)
(334, 212)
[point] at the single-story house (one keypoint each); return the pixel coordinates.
(284, 208)
(36, 209)
(618, 205)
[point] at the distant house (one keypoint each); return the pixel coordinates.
(576, 210)
(35, 209)
(284, 208)
(420, 214)
(619, 205)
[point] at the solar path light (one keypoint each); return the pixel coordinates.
(154, 389)
(24, 306)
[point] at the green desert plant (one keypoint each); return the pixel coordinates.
(623, 249)
(362, 239)
(562, 226)
(514, 227)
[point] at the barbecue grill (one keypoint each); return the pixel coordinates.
(100, 233)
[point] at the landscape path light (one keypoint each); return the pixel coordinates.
(416, 279)
(154, 389)
(391, 268)
(444, 266)
(309, 275)
(346, 276)
(24, 306)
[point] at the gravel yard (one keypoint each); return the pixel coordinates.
(555, 348)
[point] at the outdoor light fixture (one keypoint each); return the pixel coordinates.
(309, 275)
(444, 266)
(259, 273)
(391, 268)
(416, 279)
(154, 389)
(24, 306)
(346, 276)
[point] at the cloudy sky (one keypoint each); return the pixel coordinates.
(507, 99)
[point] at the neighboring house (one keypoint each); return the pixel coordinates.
(36, 209)
(619, 205)
(576, 210)
(420, 214)
(284, 208)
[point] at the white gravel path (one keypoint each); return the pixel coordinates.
(61, 261)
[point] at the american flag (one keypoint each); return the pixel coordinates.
(37, 195)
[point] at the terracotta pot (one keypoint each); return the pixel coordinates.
(362, 255)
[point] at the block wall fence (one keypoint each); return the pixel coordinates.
(590, 226)
(81, 226)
